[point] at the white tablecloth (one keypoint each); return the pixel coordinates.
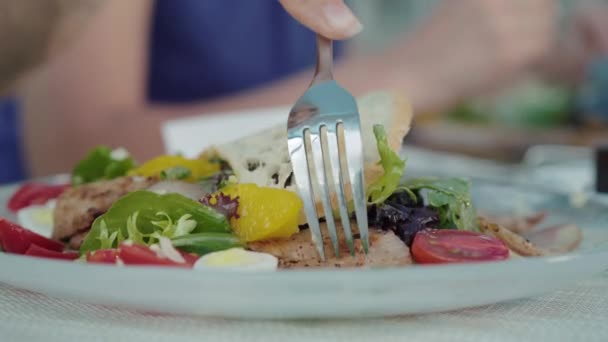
(575, 314)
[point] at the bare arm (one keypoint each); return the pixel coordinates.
(95, 94)
(30, 30)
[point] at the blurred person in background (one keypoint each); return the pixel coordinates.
(138, 63)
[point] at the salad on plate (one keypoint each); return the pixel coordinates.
(235, 207)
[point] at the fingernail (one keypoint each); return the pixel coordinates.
(341, 19)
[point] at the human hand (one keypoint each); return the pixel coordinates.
(467, 46)
(330, 18)
(584, 39)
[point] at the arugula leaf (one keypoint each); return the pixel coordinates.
(106, 240)
(450, 198)
(184, 225)
(175, 173)
(136, 217)
(393, 166)
(102, 163)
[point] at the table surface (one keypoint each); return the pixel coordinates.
(577, 313)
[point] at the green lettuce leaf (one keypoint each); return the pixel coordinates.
(102, 163)
(451, 198)
(142, 216)
(393, 166)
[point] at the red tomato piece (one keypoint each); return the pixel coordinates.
(132, 254)
(103, 256)
(34, 193)
(16, 239)
(434, 246)
(37, 251)
(189, 257)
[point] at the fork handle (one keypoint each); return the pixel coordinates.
(325, 60)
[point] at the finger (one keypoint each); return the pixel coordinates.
(330, 18)
(593, 25)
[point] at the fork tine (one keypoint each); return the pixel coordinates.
(354, 158)
(299, 162)
(318, 153)
(336, 169)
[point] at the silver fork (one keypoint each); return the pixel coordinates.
(315, 142)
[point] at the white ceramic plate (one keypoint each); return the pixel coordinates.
(332, 293)
(327, 293)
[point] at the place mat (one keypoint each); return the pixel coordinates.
(579, 313)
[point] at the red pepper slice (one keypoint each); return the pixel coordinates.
(103, 256)
(132, 254)
(37, 251)
(34, 193)
(16, 239)
(190, 258)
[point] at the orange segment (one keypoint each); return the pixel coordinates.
(264, 213)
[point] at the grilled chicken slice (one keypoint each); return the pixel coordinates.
(298, 251)
(558, 239)
(517, 224)
(515, 242)
(78, 207)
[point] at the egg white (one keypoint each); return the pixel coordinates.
(237, 259)
(38, 218)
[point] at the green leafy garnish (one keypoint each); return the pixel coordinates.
(142, 216)
(170, 228)
(450, 198)
(203, 243)
(175, 173)
(393, 166)
(106, 240)
(102, 163)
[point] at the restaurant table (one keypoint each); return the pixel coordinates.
(578, 313)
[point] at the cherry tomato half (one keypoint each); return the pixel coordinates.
(16, 239)
(434, 246)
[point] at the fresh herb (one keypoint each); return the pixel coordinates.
(393, 166)
(223, 203)
(451, 198)
(448, 198)
(102, 163)
(203, 243)
(175, 173)
(144, 215)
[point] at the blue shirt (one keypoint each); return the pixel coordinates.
(205, 49)
(202, 49)
(11, 162)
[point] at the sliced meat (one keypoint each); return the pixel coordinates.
(517, 224)
(78, 207)
(298, 251)
(558, 239)
(515, 242)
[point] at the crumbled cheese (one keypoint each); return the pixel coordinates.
(119, 154)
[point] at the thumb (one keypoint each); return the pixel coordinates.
(330, 18)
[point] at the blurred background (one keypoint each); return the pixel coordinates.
(487, 78)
